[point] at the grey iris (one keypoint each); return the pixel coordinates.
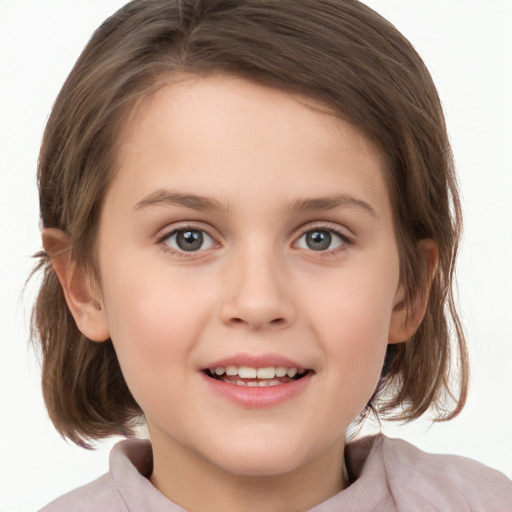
(318, 240)
(189, 240)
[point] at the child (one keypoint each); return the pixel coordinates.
(250, 229)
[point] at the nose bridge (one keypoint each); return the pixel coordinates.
(257, 291)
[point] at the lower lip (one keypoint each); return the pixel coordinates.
(258, 397)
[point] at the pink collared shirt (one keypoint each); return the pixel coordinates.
(388, 475)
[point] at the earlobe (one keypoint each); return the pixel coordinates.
(82, 299)
(405, 323)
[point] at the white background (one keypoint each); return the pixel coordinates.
(467, 44)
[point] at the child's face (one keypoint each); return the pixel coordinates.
(245, 228)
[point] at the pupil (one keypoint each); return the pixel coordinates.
(189, 240)
(318, 240)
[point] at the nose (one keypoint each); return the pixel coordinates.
(257, 294)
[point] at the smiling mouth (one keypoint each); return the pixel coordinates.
(256, 377)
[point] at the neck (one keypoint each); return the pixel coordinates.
(180, 473)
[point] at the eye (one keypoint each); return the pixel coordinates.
(189, 240)
(321, 240)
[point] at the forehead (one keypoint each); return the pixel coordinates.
(226, 131)
(193, 98)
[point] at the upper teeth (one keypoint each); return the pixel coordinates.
(246, 372)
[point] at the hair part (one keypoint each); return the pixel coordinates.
(337, 52)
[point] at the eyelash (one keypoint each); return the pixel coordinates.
(161, 241)
(347, 241)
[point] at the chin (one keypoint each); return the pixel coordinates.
(261, 457)
(258, 466)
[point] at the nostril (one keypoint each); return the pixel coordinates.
(254, 316)
(275, 321)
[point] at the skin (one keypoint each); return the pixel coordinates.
(255, 287)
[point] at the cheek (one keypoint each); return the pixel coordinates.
(152, 304)
(354, 307)
(154, 322)
(352, 318)
(356, 336)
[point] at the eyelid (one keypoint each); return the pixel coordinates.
(164, 234)
(171, 230)
(343, 233)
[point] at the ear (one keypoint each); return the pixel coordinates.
(403, 325)
(82, 296)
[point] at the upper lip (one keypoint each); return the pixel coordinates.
(256, 361)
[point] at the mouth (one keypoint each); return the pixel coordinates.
(256, 377)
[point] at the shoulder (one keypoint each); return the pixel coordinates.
(101, 494)
(441, 482)
(125, 487)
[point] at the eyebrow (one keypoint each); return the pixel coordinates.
(193, 201)
(196, 202)
(321, 204)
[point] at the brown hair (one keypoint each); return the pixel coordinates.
(338, 52)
